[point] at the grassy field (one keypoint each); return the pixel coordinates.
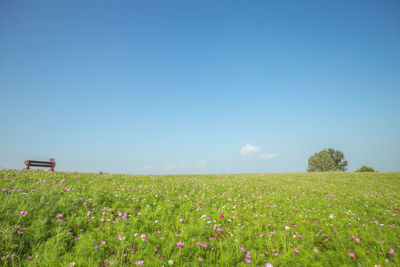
(302, 219)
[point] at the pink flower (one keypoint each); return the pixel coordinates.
(269, 265)
(352, 255)
(140, 214)
(296, 250)
(59, 215)
(181, 220)
(84, 204)
(299, 236)
(391, 251)
(139, 263)
(242, 249)
(143, 237)
(180, 244)
(222, 216)
(204, 245)
(248, 255)
(77, 239)
(23, 213)
(247, 261)
(315, 250)
(102, 242)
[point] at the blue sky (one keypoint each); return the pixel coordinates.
(199, 86)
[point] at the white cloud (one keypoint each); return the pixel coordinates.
(170, 166)
(186, 166)
(247, 149)
(148, 167)
(266, 156)
(200, 163)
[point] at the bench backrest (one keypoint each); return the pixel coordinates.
(36, 163)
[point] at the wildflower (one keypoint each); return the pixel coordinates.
(30, 257)
(315, 250)
(248, 255)
(77, 239)
(155, 249)
(180, 244)
(287, 227)
(204, 245)
(140, 214)
(296, 250)
(170, 262)
(139, 263)
(352, 255)
(85, 204)
(23, 213)
(222, 216)
(269, 265)
(102, 242)
(72, 264)
(242, 249)
(59, 215)
(136, 234)
(156, 221)
(181, 220)
(143, 237)
(247, 261)
(299, 236)
(391, 251)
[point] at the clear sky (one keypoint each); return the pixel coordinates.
(199, 86)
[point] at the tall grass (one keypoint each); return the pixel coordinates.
(304, 219)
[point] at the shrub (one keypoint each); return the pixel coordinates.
(365, 169)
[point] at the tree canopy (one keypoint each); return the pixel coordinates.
(327, 160)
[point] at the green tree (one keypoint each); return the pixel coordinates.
(327, 160)
(365, 169)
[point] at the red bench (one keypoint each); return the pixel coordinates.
(35, 163)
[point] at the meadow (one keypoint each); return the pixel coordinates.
(298, 219)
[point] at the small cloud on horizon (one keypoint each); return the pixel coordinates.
(266, 156)
(176, 167)
(248, 149)
(200, 163)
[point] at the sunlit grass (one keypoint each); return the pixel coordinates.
(320, 219)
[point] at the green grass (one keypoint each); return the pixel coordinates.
(265, 216)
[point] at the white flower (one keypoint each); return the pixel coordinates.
(170, 262)
(287, 227)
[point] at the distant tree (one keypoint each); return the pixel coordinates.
(365, 169)
(327, 160)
